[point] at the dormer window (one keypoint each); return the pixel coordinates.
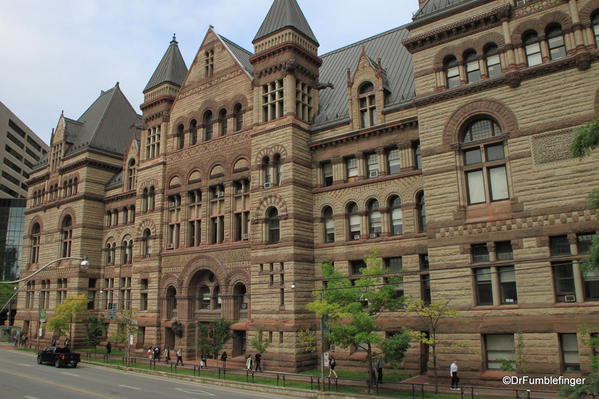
(131, 175)
(366, 99)
(209, 63)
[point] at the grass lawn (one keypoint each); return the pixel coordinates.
(101, 350)
(388, 376)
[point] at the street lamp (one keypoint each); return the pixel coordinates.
(85, 264)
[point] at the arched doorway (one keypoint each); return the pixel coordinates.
(240, 303)
(205, 296)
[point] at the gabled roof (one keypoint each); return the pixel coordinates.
(242, 55)
(397, 68)
(435, 6)
(285, 14)
(115, 181)
(171, 69)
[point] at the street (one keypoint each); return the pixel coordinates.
(22, 377)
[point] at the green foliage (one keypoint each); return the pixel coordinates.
(353, 309)
(307, 340)
(68, 313)
(259, 342)
(94, 330)
(507, 365)
(6, 292)
(590, 388)
(521, 364)
(126, 326)
(213, 336)
(586, 139)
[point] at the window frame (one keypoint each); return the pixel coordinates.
(532, 48)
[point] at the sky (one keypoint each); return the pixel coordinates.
(58, 55)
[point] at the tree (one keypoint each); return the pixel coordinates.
(212, 337)
(126, 327)
(94, 330)
(354, 306)
(307, 340)
(66, 314)
(590, 388)
(259, 342)
(431, 314)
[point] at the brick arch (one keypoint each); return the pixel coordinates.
(369, 199)
(219, 160)
(208, 105)
(67, 211)
(146, 224)
(147, 184)
(180, 121)
(109, 240)
(443, 53)
(173, 174)
(124, 234)
(195, 169)
(34, 220)
(272, 200)
(170, 280)
(346, 203)
(270, 151)
(239, 99)
(199, 263)
(491, 37)
(535, 25)
(556, 16)
(496, 109)
(587, 10)
(393, 194)
(238, 276)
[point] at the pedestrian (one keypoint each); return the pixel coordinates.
(24, 340)
(379, 369)
(455, 380)
(223, 358)
(248, 363)
(157, 353)
(151, 354)
(332, 365)
(108, 348)
(53, 341)
(179, 357)
(167, 355)
(203, 361)
(67, 343)
(258, 359)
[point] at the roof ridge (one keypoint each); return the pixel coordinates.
(378, 35)
(102, 117)
(103, 93)
(235, 44)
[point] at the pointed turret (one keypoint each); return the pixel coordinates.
(285, 14)
(171, 69)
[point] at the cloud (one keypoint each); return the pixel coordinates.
(58, 55)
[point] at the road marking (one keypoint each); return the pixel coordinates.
(195, 391)
(24, 365)
(98, 395)
(29, 397)
(70, 374)
(130, 387)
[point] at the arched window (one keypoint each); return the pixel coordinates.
(70, 188)
(374, 219)
(492, 60)
(193, 132)
(238, 116)
(75, 185)
(266, 171)
(395, 216)
(216, 298)
(222, 121)
(596, 28)
(108, 254)
(152, 199)
(125, 215)
(353, 221)
(130, 252)
(240, 296)
(485, 165)
(109, 218)
(35, 243)
(131, 174)
(555, 41)
(124, 253)
(144, 200)
(180, 137)
(146, 243)
(277, 169)
(472, 66)
(532, 48)
(208, 125)
(171, 302)
(66, 233)
(115, 217)
(367, 103)
(328, 224)
(273, 226)
(113, 250)
(421, 212)
(452, 71)
(204, 297)
(132, 213)
(64, 189)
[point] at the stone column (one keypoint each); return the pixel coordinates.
(495, 286)
(511, 59)
(360, 159)
(463, 77)
(544, 48)
(380, 151)
(406, 157)
(338, 170)
(364, 230)
(576, 26)
(289, 94)
(386, 222)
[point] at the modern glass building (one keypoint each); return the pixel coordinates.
(12, 220)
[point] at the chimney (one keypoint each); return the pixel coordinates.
(421, 3)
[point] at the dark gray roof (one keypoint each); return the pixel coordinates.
(171, 68)
(115, 182)
(397, 68)
(434, 6)
(242, 55)
(283, 14)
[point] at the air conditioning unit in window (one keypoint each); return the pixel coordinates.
(356, 237)
(244, 237)
(220, 194)
(170, 246)
(244, 306)
(373, 235)
(569, 298)
(267, 185)
(373, 173)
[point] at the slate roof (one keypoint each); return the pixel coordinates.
(115, 181)
(242, 55)
(397, 66)
(283, 14)
(432, 7)
(171, 68)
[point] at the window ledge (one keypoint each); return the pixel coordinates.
(494, 307)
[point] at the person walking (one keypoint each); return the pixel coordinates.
(455, 380)
(157, 353)
(223, 358)
(151, 354)
(258, 359)
(108, 348)
(167, 355)
(67, 343)
(179, 357)
(53, 341)
(203, 361)
(379, 369)
(248, 363)
(332, 365)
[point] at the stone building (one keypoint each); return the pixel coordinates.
(442, 143)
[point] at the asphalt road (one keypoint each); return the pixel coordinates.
(22, 378)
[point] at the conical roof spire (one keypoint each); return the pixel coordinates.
(285, 14)
(171, 69)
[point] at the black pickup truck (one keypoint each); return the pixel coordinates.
(59, 357)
